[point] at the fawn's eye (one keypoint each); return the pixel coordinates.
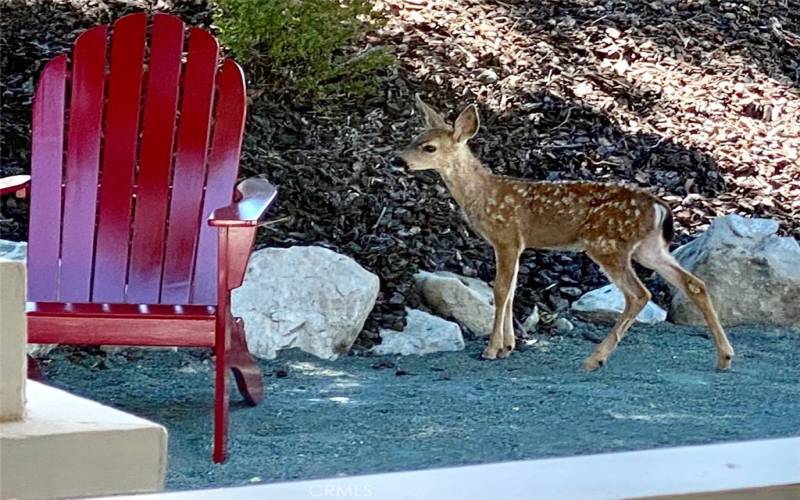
(429, 148)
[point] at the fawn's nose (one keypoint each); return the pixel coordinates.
(397, 162)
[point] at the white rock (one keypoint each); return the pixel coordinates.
(306, 297)
(424, 333)
(469, 301)
(752, 274)
(605, 305)
(564, 325)
(18, 251)
(531, 323)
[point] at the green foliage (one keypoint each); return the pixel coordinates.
(306, 43)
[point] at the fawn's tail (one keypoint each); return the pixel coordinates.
(665, 219)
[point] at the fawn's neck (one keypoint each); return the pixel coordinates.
(467, 179)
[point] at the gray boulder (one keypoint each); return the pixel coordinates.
(752, 274)
(424, 333)
(469, 301)
(306, 297)
(14, 250)
(605, 305)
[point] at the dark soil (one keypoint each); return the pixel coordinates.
(696, 99)
(368, 414)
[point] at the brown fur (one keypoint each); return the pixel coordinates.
(613, 224)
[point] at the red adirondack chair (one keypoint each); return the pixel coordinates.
(137, 236)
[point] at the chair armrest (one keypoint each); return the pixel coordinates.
(256, 196)
(18, 184)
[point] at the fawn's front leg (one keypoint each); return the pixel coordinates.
(507, 260)
(509, 339)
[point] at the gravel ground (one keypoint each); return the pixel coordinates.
(369, 414)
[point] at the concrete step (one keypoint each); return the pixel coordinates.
(68, 446)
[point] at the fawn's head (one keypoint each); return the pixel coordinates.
(440, 146)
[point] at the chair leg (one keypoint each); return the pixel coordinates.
(33, 369)
(221, 393)
(244, 367)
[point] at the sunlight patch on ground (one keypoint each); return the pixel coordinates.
(307, 368)
(335, 399)
(340, 384)
(657, 417)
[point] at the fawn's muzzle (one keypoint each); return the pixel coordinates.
(397, 162)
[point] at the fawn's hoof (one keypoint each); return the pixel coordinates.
(724, 357)
(490, 353)
(505, 352)
(592, 363)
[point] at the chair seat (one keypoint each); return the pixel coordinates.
(125, 310)
(121, 324)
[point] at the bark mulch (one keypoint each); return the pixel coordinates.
(698, 100)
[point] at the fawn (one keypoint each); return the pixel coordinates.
(612, 224)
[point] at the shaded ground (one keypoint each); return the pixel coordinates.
(368, 414)
(696, 99)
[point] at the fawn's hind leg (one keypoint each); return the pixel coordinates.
(653, 254)
(620, 271)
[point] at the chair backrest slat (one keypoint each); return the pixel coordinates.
(155, 169)
(190, 167)
(223, 165)
(47, 152)
(82, 164)
(119, 159)
(148, 155)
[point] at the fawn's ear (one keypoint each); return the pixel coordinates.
(433, 120)
(467, 124)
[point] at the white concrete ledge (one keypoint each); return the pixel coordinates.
(69, 446)
(754, 469)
